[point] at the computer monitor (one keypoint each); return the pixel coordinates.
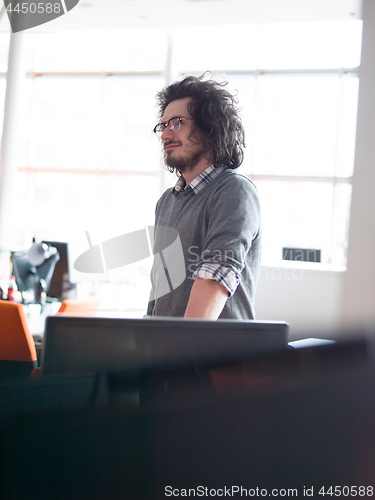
(28, 276)
(23, 271)
(110, 345)
(60, 276)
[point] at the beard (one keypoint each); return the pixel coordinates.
(185, 163)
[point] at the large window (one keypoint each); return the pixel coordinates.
(298, 86)
(88, 160)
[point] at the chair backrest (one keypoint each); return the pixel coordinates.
(75, 307)
(17, 349)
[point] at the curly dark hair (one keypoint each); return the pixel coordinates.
(216, 116)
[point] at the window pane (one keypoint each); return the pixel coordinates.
(302, 45)
(70, 51)
(29, 50)
(18, 213)
(125, 204)
(202, 48)
(297, 215)
(348, 123)
(25, 125)
(244, 86)
(296, 132)
(129, 118)
(352, 44)
(66, 121)
(137, 49)
(61, 203)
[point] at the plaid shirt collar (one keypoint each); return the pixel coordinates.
(199, 183)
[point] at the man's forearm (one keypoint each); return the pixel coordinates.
(207, 299)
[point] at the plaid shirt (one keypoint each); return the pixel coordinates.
(209, 271)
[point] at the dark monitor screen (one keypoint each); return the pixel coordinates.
(23, 271)
(61, 272)
(109, 345)
(27, 275)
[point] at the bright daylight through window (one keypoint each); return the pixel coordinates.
(88, 157)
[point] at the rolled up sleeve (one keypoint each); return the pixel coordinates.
(223, 275)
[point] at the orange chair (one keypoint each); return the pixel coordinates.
(17, 349)
(75, 307)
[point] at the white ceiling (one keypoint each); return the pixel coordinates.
(98, 14)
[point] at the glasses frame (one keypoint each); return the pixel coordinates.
(166, 125)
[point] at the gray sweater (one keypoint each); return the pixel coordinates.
(220, 224)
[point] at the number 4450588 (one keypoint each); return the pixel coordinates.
(33, 8)
(347, 491)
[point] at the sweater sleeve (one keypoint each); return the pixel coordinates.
(233, 224)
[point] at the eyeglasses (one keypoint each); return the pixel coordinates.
(173, 123)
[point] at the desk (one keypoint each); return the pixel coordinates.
(314, 429)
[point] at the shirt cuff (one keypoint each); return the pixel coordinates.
(223, 275)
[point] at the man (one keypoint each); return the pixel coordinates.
(214, 210)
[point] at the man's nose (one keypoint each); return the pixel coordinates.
(167, 134)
